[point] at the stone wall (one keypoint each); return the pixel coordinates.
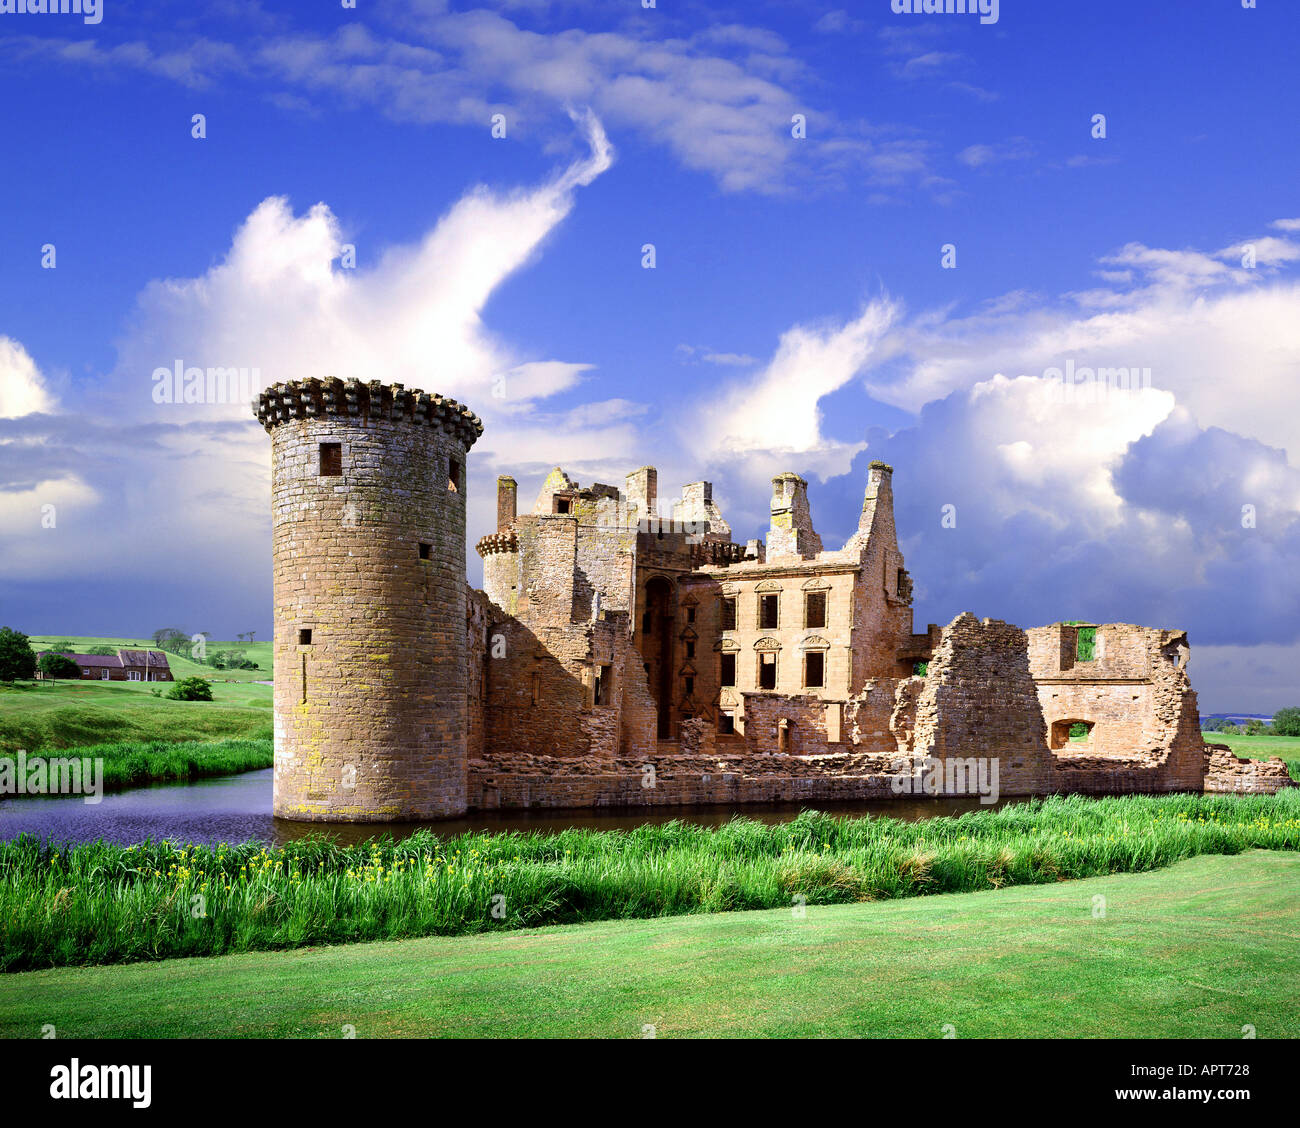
(978, 700)
(369, 599)
(1135, 696)
(1226, 771)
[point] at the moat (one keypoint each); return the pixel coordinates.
(238, 809)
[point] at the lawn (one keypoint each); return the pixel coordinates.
(1198, 950)
(71, 714)
(1262, 747)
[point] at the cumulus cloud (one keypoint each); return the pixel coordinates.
(22, 388)
(1124, 509)
(1161, 489)
(187, 482)
(777, 411)
(1224, 339)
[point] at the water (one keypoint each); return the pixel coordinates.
(237, 808)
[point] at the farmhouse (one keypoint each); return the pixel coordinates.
(125, 665)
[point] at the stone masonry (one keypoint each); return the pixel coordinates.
(625, 652)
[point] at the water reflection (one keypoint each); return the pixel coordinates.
(237, 809)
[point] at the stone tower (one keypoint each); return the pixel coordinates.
(368, 509)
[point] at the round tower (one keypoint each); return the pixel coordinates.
(368, 528)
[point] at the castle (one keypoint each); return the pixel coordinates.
(619, 657)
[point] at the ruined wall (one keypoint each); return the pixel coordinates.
(1226, 771)
(540, 691)
(882, 600)
(802, 718)
(1135, 694)
(478, 614)
(979, 700)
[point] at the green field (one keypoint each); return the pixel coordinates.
(70, 714)
(1198, 950)
(181, 665)
(1262, 748)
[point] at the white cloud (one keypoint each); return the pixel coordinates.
(188, 483)
(721, 100)
(1223, 339)
(772, 420)
(22, 388)
(977, 156)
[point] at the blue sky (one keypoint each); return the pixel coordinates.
(798, 316)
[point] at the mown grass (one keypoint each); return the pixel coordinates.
(1200, 949)
(55, 715)
(136, 764)
(98, 903)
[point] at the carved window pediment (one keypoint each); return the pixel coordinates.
(817, 583)
(727, 646)
(729, 697)
(768, 585)
(689, 635)
(767, 643)
(730, 589)
(688, 670)
(815, 642)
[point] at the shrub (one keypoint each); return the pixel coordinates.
(191, 689)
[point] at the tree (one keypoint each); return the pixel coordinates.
(170, 638)
(1254, 727)
(191, 689)
(102, 650)
(55, 666)
(17, 658)
(62, 647)
(1286, 722)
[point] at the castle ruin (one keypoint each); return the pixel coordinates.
(621, 657)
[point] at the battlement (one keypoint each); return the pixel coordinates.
(497, 542)
(313, 398)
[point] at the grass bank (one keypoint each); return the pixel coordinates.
(134, 764)
(99, 903)
(55, 715)
(1197, 950)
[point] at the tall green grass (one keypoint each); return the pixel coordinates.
(99, 903)
(137, 763)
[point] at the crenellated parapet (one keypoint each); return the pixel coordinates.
(351, 399)
(497, 542)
